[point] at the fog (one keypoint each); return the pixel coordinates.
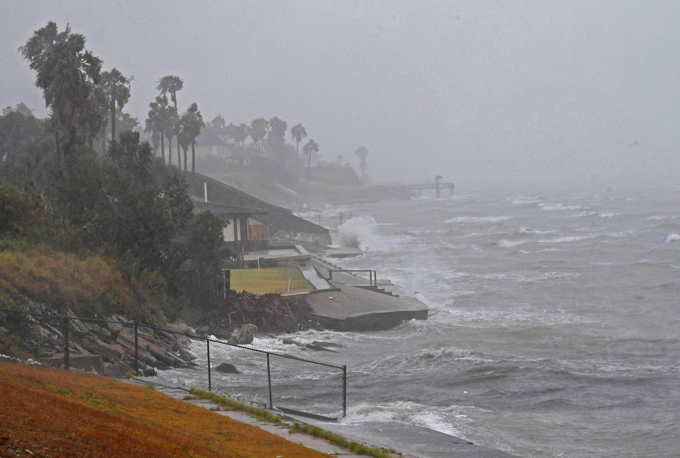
(487, 94)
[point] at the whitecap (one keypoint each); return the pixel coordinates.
(478, 219)
(574, 238)
(673, 238)
(559, 207)
(510, 243)
(608, 215)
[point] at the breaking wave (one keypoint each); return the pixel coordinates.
(478, 219)
(673, 238)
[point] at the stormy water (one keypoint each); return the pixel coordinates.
(553, 328)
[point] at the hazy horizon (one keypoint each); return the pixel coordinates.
(493, 94)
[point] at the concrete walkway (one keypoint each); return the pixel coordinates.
(355, 308)
(306, 440)
(410, 441)
(310, 274)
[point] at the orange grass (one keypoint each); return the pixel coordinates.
(58, 413)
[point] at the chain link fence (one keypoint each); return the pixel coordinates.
(276, 381)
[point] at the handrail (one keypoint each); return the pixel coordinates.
(372, 275)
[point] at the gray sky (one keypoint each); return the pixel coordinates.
(530, 93)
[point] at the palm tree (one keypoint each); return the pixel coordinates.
(191, 124)
(310, 148)
(68, 76)
(362, 154)
(117, 88)
(257, 131)
(159, 121)
(171, 84)
(297, 133)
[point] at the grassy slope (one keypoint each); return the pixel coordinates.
(58, 413)
(88, 284)
(272, 280)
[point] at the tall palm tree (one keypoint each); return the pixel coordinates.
(68, 76)
(257, 131)
(297, 132)
(117, 88)
(171, 84)
(362, 154)
(310, 148)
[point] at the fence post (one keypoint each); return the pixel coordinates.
(269, 377)
(67, 359)
(136, 352)
(209, 375)
(344, 391)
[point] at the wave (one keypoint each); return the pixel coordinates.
(478, 219)
(359, 232)
(530, 231)
(521, 200)
(545, 250)
(655, 218)
(573, 238)
(673, 238)
(559, 207)
(609, 215)
(510, 243)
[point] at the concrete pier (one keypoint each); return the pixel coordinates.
(354, 306)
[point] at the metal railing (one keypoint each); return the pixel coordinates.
(277, 381)
(372, 275)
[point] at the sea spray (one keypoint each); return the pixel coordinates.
(359, 232)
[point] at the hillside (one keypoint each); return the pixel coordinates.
(46, 412)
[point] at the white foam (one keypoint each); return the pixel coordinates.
(521, 200)
(559, 207)
(510, 243)
(609, 215)
(574, 238)
(654, 218)
(673, 238)
(546, 250)
(478, 219)
(359, 232)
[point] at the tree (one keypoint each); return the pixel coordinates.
(23, 109)
(362, 154)
(133, 158)
(310, 148)
(195, 124)
(68, 76)
(276, 138)
(257, 130)
(341, 159)
(171, 84)
(297, 132)
(117, 89)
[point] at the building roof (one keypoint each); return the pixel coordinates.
(226, 209)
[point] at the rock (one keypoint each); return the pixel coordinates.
(118, 369)
(202, 329)
(150, 372)
(3, 331)
(325, 344)
(184, 354)
(318, 348)
(288, 342)
(227, 368)
(244, 335)
(221, 332)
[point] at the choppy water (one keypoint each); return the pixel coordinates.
(554, 328)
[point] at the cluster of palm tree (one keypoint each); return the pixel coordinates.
(164, 121)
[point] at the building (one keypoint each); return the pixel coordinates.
(284, 228)
(238, 235)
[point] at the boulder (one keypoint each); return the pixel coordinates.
(325, 344)
(202, 329)
(118, 369)
(182, 353)
(318, 348)
(221, 332)
(244, 335)
(227, 368)
(288, 342)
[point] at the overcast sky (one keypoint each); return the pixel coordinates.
(529, 93)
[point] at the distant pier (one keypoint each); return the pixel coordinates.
(437, 186)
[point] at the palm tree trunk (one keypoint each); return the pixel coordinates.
(163, 147)
(193, 158)
(170, 150)
(185, 158)
(179, 159)
(113, 118)
(309, 163)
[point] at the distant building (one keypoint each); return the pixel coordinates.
(8, 110)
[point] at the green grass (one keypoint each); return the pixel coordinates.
(355, 447)
(235, 405)
(230, 404)
(271, 280)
